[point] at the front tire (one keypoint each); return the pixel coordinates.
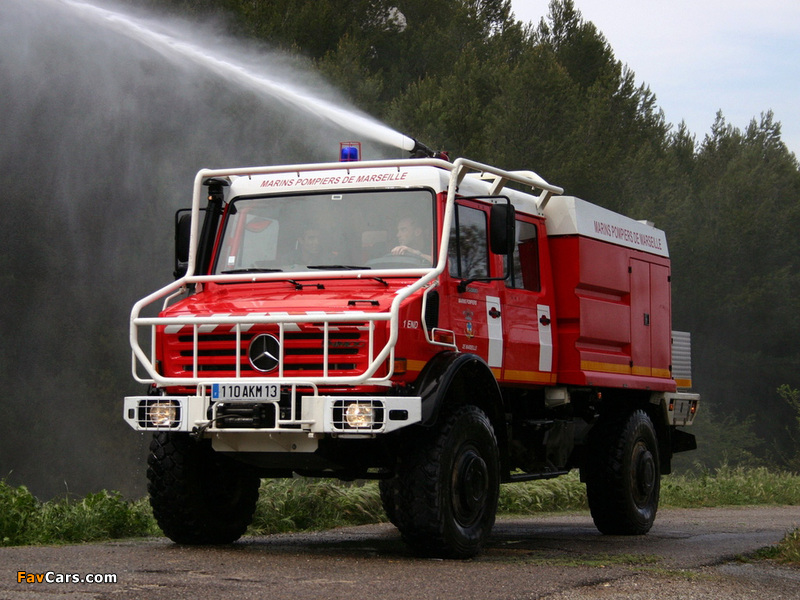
(623, 481)
(198, 495)
(390, 494)
(446, 491)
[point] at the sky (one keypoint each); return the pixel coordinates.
(701, 56)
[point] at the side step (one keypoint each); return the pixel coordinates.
(536, 476)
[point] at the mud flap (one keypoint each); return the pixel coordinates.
(682, 441)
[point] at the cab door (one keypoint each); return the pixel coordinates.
(476, 311)
(528, 318)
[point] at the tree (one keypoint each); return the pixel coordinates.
(577, 45)
(792, 397)
(736, 264)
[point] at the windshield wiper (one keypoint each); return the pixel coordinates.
(250, 270)
(338, 267)
(348, 268)
(297, 284)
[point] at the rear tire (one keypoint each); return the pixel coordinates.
(623, 481)
(445, 493)
(198, 495)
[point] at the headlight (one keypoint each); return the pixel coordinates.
(356, 415)
(359, 415)
(162, 413)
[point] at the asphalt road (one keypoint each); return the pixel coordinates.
(689, 554)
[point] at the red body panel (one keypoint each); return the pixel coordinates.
(614, 315)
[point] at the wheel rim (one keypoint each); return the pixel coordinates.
(643, 474)
(470, 488)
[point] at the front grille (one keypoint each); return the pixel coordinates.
(218, 354)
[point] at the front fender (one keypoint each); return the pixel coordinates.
(459, 378)
(453, 378)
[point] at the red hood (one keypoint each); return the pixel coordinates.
(365, 295)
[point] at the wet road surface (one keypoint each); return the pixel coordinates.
(688, 554)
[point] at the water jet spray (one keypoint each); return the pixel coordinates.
(172, 45)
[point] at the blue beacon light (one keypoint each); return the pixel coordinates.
(349, 151)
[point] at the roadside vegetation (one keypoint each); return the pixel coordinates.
(785, 552)
(25, 520)
(301, 505)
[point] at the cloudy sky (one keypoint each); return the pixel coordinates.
(701, 56)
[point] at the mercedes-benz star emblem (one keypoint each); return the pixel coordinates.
(264, 352)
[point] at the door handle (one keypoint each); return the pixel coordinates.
(544, 320)
(494, 313)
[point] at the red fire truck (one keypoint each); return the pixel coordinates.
(417, 321)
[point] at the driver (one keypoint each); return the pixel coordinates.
(410, 239)
(307, 247)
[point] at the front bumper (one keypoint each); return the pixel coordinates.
(343, 416)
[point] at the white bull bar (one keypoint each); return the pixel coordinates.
(377, 356)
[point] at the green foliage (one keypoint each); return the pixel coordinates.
(17, 509)
(735, 259)
(300, 504)
(787, 551)
(297, 505)
(288, 505)
(565, 493)
(722, 439)
(577, 45)
(792, 398)
(100, 516)
(731, 486)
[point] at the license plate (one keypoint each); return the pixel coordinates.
(245, 392)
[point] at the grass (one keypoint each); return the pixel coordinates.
(105, 515)
(725, 486)
(565, 493)
(728, 486)
(302, 505)
(787, 551)
(286, 505)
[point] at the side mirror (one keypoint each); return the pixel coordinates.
(501, 229)
(183, 231)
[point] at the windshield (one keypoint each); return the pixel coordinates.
(353, 230)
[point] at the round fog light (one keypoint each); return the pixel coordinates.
(162, 414)
(359, 415)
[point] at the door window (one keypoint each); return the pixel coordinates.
(525, 274)
(469, 251)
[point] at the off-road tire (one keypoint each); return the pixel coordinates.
(447, 486)
(390, 492)
(199, 496)
(623, 480)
